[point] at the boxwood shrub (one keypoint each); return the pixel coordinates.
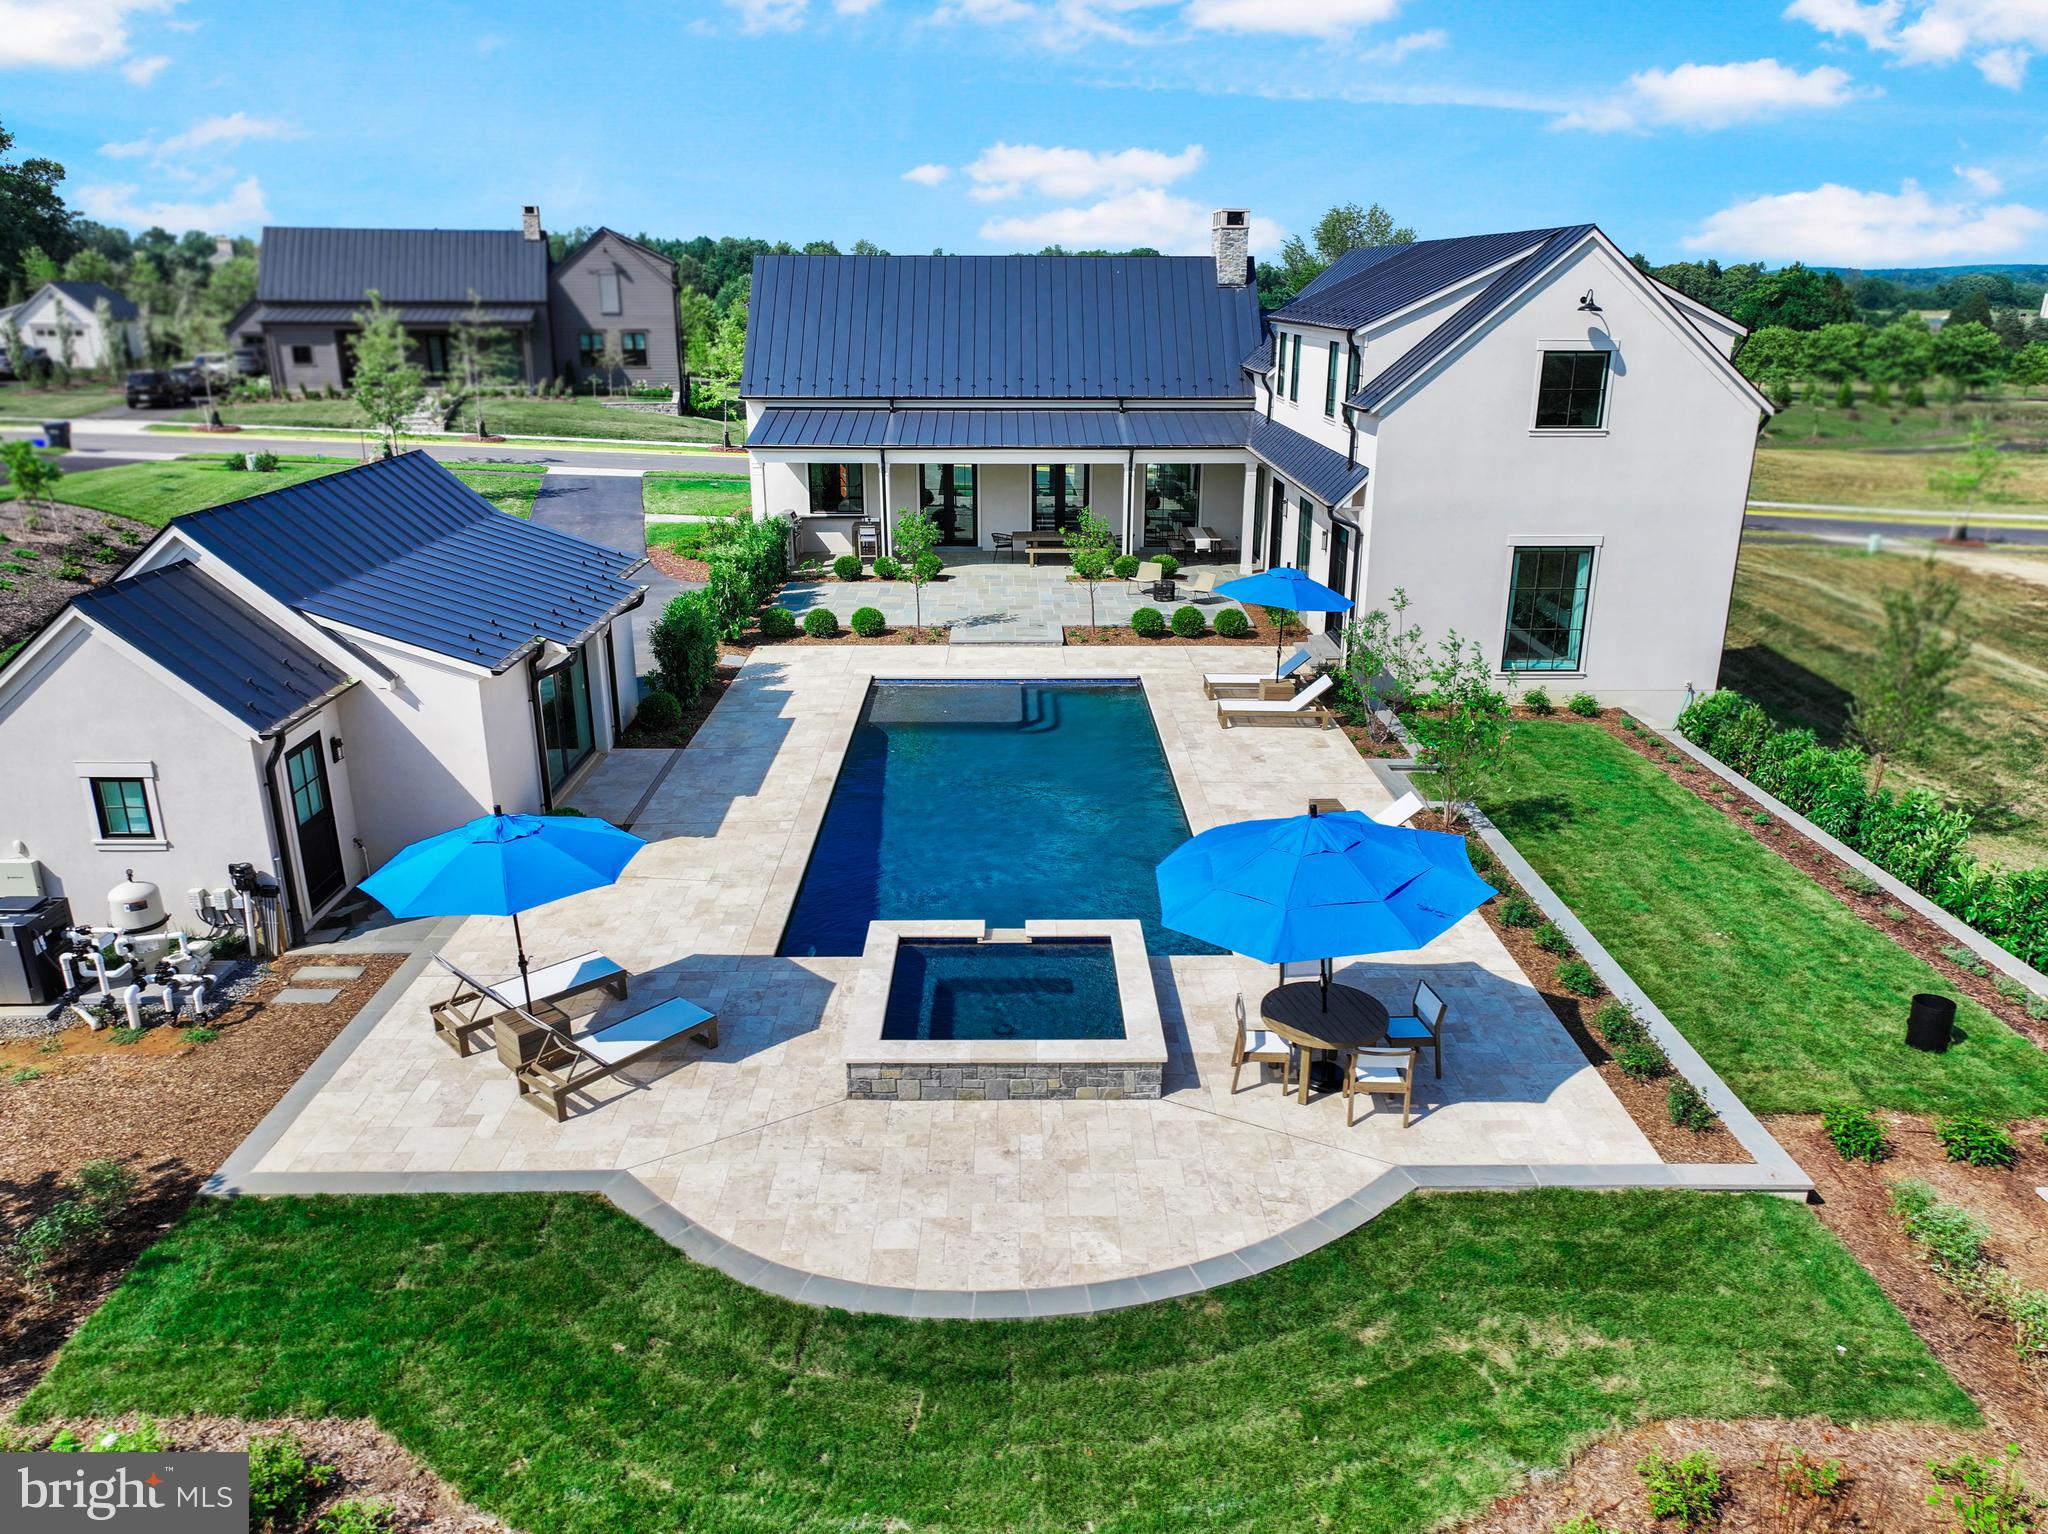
(778, 623)
(888, 568)
(1232, 624)
(659, 711)
(1126, 566)
(1189, 623)
(867, 622)
(848, 567)
(1584, 704)
(1148, 623)
(821, 623)
(685, 645)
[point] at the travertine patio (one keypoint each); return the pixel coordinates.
(756, 1141)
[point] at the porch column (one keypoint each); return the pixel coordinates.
(1131, 473)
(1246, 552)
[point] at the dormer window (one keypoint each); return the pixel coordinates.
(1571, 391)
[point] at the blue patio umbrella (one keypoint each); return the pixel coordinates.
(1315, 887)
(1289, 590)
(500, 865)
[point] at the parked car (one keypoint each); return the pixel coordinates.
(242, 362)
(192, 376)
(34, 357)
(153, 386)
(250, 362)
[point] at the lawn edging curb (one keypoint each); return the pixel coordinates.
(2009, 964)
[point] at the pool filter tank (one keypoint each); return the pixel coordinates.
(135, 906)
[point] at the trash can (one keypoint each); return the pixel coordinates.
(1931, 1023)
(58, 435)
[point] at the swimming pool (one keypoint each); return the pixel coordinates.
(987, 991)
(1000, 801)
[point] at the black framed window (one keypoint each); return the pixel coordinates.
(1351, 375)
(122, 805)
(946, 490)
(1059, 492)
(1330, 383)
(1571, 393)
(589, 348)
(1303, 523)
(302, 356)
(1547, 597)
(566, 734)
(1294, 373)
(633, 345)
(433, 347)
(1279, 364)
(1173, 499)
(838, 487)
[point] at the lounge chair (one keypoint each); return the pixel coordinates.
(1401, 811)
(1378, 1072)
(1150, 573)
(1302, 705)
(1423, 1028)
(476, 1004)
(549, 1063)
(1258, 1046)
(1216, 684)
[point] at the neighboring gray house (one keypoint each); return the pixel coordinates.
(310, 286)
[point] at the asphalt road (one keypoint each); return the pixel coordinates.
(1847, 525)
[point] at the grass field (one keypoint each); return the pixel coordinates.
(24, 403)
(695, 495)
(1800, 628)
(569, 1372)
(505, 417)
(2006, 412)
(156, 492)
(509, 487)
(1793, 1001)
(1843, 477)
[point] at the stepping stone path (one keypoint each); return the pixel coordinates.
(305, 996)
(342, 972)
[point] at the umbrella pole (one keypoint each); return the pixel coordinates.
(519, 943)
(1326, 985)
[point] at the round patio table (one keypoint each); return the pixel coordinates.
(1355, 1020)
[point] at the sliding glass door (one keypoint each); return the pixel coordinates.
(947, 492)
(566, 734)
(1059, 491)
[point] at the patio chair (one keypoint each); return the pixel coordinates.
(476, 1004)
(1423, 1028)
(1401, 811)
(1150, 573)
(1216, 684)
(1004, 543)
(1378, 1073)
(1258, 1046)
(1302, 705)
(1223, 551)
(548, 1062)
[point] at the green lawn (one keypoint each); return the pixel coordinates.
(23, 403)
(1795, 1002)
(2005, 411)
(510, 488)
(567, 1371)
(505, 417)
(1842, 477)
(156, 492)
(695, 495)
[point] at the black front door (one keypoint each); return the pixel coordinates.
(313, 812)
(1341, 544)
(1274, 522)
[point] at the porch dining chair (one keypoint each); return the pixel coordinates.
(1378, 1073)
(1423, 1027)
(1004, 543)
(1259, 1046)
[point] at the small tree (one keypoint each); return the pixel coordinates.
(1385, 660)
(1969, 355)
(113, 338)
(387, 388)
(725, 359)
(31, 473)
(67, 343)
(1091, 545)
(1981, 476)
(1464, 731)
(474, 347)
(1908, 688)
(916, 540)
(2029, 367)
(611, 361)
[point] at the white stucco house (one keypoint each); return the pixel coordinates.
(1548, 450)
(56, 308)
(307, 681)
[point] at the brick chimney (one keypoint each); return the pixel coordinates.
(529, 222)
(1230, 239)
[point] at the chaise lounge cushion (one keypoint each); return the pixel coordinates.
(634, 1035)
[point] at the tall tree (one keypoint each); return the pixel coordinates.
(32, 213)
(1344, 228)
(1901, 354)
(1796, 296)
(1835, 352)
(90, 265)
(1908, 688)
(386, 388)
(1772, 352)
(1974, 309)
(1969, 353)
(37, 268)
(723, 365)
(113, 337)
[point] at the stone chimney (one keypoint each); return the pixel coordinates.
(1230, 239)
(529, 222)
(223, 249)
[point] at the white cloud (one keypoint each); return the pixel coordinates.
(927, 174)
(1412, 42)
(1998, 36)
(1055, 23)
(242, 211)
(854, 7)
(1983, 182)
(1005, 170)
(769, 15)
(1712, 96)
(207, 133)
(1840, 226)
(1298, 18)
(68, 34)
(1146, 216)
(142, 71)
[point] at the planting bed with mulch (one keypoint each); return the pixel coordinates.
(676, 566)
(93, 544)
(168, 1109)
(1263, 632)
(1911, 931)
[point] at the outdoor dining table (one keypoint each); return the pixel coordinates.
(1040, 542)
(1354, 1020)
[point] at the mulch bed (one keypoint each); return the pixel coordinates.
(169, 1110)
(1876, 909)
(1263, 632)
(676, 567)
(36, 592)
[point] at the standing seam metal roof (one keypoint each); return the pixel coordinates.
(89, 294)
(408, 313)
(996, 327)
(1326, 474)
(194, 628)
(1367, 285)
(403, 549)
(1051, 430)
(403, 265)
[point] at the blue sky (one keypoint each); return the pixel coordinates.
(1855, 132)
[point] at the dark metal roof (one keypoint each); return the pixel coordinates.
(996, 327)
(90, 293)
(1326, 474)
(1366, 285)
(195, 629)
(1260, 358)
(793, 427)
(1468, 316)
(403, 265)
(410, 314)
(403, 549)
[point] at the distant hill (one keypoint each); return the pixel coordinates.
(1935, 276)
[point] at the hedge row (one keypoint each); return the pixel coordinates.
(1912, 836)
(744, 574)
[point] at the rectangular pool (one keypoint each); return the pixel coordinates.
(995, 991)
(1000, 801)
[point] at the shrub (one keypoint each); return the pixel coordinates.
(146, 1437)
(1986, 1495)
(1687, 1488)
(744, 572)
(1551, 939)
(1232, 624)
(1577, 976)
(888, 568)
(821, 623)
(928, 567)
(22, 1075)
(1518, 910)
(1687, 1108)
(1537, 701)
(264, 463)
(282, 1481)
(777, 623)
(867, 622)
(1584, 704)
(199, 1033)
(659, 711)
(1189, 623)
(1815, 1480)
(1856, 882)
(1975, 1140)
(1618, 1025)
(93, 1199)
(1952, 1235)
(1964, 958)
(69, 569)
(354, 1515)
(1148, 623)
(848, 567)
(236, 463)
(1642, 1061)
(1126, 566)
(1857, 1133)
(685, 645)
